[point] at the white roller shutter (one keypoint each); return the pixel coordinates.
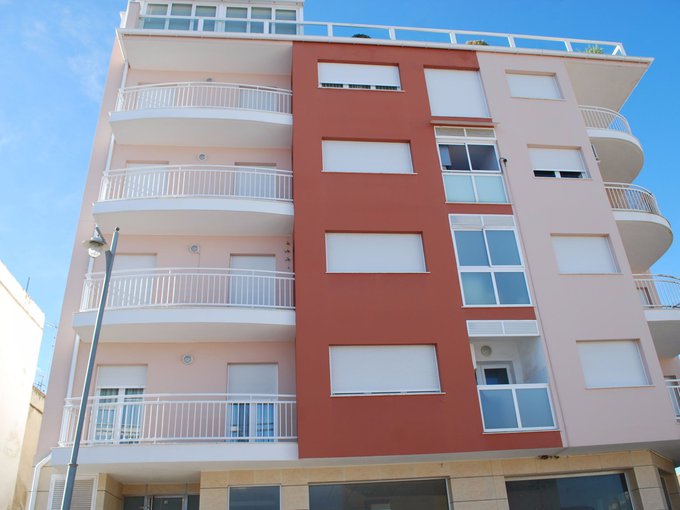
(455, 93)
(367, 157)
(359, 74)
(383, 369)
(612, 364)
(252, 379)
(584, 255)
(556, 159)
(117, 376)
(534, 86)
(374, 253)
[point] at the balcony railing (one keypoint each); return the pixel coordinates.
(658, 291)
(170, 287)
(596, 117)
(673, 386)
(204, 95)
(311, 29)
(181, 418)
(632, 198)
(194, 181)
(516, 407)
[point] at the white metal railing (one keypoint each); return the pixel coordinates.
(181, 418)
(658, 290)
(509, 407)
(197, 181)
(673, 386)
(204, 95)
(596, 117)
(186, 286)
(310, 29)
(630, 197)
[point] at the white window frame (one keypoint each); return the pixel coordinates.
(585, 174)
(466, 141)
(492, 269)
(558, 88)
(361, 86)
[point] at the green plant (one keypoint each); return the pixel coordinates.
(362, 36)
(596, 49)
(477, 42)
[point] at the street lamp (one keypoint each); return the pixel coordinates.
(95, 246)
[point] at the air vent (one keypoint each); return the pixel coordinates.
(83, 493)
(502, 328)
(477, 221)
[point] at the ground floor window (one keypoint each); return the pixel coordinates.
(255, 498)
(606, 492)
(183, 502)
(402, 495)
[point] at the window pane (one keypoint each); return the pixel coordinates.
(490, 189)
(193, 502)
(156, 9)
(498, 409)
(534, 407)
(458, 188)
(254, 498)
(401, 495)
(483, 157)
(471, 248)
(512, 289)
(285, 14)
(180, 10)
(454, 157)
(134, 503)
(496, 376)
(503, 248)
(206, 11)
(261, 13)
(478, 289)
(236, 26)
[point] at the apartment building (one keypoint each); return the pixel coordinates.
(365, 267)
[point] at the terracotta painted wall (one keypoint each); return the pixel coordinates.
(351, 309)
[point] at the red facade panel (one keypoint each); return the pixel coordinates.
(375, 309)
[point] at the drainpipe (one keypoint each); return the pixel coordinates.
(36, 480)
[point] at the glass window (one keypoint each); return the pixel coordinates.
(180, 10)
(597, 491)
(285, 28)
(454, 157)
(206, 11)
(483, 157)
(236, 26)
(490, 266)
(401, 495)
(459, 188)
(155, 10)
(490, 189)
(254, 498)
(557, 163)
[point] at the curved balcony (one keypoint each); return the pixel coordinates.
(660, 297)
(197, 200)
(153, 429)
(646, 234)
(190, 304)
(619, 152)
(203, 114)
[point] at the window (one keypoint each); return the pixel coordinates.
(560, 163)
(401, 495)
(251, 408)
(374, 253)
(455, 93)
(584, 255)
(370, 369)
(118, 406)
(534, 86)
(84, 490)
(470, 166)
(489, 261)
(366, 157)
(186, 502)
(359, 76)
(575, 492)
(612, 364)
(255, 498)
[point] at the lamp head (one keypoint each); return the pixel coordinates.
(95, 244)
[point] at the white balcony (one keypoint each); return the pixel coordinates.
(645, 233)
(660, 296)
(516, 407)
(197, 200)
(190, 304)
(134, 432)
(619, 153)
(203, 114)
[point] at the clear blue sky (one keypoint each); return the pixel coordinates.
(54, 58)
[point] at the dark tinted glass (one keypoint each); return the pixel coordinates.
(254, 498)
(133, 503)
(573, 493)
(483, 157)
(192, 502)
(454, 157)
(413, 495)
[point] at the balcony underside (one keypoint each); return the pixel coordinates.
(189, 324)
(620, 154)
(187, 51)
(646, 237)
(203, 127)
(173, 462)
(665, 328)
(196, 216)
(604, 83)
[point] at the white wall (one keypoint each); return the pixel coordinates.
(20, 333)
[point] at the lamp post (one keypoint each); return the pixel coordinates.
(94, 250)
